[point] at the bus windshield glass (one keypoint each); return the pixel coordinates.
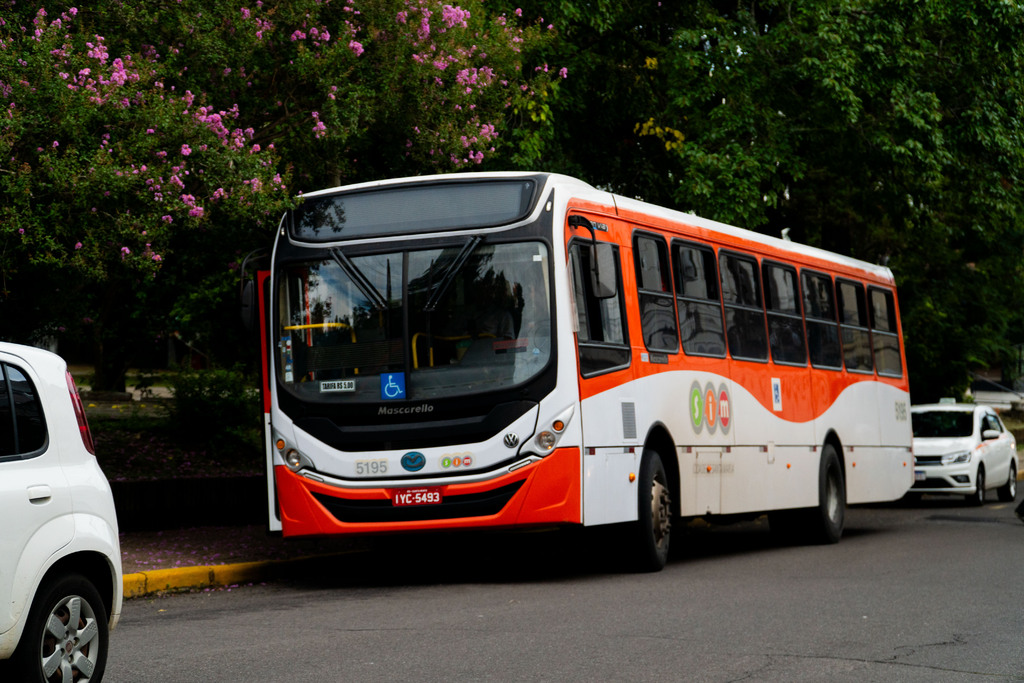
(468, 318)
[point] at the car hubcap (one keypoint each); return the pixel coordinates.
(71, 632)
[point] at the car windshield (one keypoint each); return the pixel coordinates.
(468, 318)
(942, 423)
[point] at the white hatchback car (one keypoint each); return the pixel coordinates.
(964, 449)
(60, 559)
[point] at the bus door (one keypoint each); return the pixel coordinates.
(609, 433)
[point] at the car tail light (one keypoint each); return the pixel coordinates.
(83, 423)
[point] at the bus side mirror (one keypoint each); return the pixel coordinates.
(603, 272)
(248, 305)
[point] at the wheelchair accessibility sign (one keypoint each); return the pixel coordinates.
(392, 385)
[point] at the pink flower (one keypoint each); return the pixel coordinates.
(356, 47)
(185, 150)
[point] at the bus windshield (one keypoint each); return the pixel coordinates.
(468, 318)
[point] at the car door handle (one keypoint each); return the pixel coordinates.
(39, 494)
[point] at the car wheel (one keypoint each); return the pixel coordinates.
(978, 497)
(1008, 493)
(653, 529)
(65, 637)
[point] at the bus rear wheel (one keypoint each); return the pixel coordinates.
(652, 531)
(822, 524)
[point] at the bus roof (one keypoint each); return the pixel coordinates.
(626, 208)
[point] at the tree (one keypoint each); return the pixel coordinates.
(147, 147)
(104, 168)
(890, 130)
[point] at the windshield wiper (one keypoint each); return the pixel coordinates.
(360, 280)
(449, 275)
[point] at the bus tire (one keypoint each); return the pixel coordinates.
(830, 514)
(652, 531)
(822, 524)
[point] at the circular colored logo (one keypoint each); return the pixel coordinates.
(710, 408)
(413, 461)
(697, 407)
(724, 407)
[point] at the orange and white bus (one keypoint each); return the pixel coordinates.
(500, 350)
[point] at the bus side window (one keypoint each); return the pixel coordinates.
(884, 332)
(853, 325)
(657, 308)
(700, 307)
(785, 324)
(822, 330)
(744, 314)
(601, 322)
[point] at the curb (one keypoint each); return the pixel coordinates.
(142, 584)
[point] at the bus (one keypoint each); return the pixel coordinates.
(513, 350)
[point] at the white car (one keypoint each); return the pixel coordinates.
(964, 449)
(60, 558)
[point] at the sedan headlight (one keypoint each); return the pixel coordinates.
(961, 456)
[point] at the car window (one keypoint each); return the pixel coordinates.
(991, 422)
(942, 423)
(22, 427)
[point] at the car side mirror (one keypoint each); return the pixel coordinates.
(990, 434)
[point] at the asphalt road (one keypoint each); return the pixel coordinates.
(928, 591)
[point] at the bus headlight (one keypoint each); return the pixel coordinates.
(293, 459)
(546, 441)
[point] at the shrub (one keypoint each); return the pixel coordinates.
(221, 406)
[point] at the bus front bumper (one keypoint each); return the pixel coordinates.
(544, 493)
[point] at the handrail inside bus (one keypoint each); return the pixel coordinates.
(322, 326)
(415, 356)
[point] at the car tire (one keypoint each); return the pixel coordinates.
(978, 497)
(1008, 492)
(652, 531)
(79, 649)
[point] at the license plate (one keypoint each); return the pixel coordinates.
(405, 497)
(919, 475)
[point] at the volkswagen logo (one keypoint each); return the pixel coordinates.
(413, 461)
(511, 440)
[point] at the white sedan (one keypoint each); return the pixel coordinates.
(962, 448)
